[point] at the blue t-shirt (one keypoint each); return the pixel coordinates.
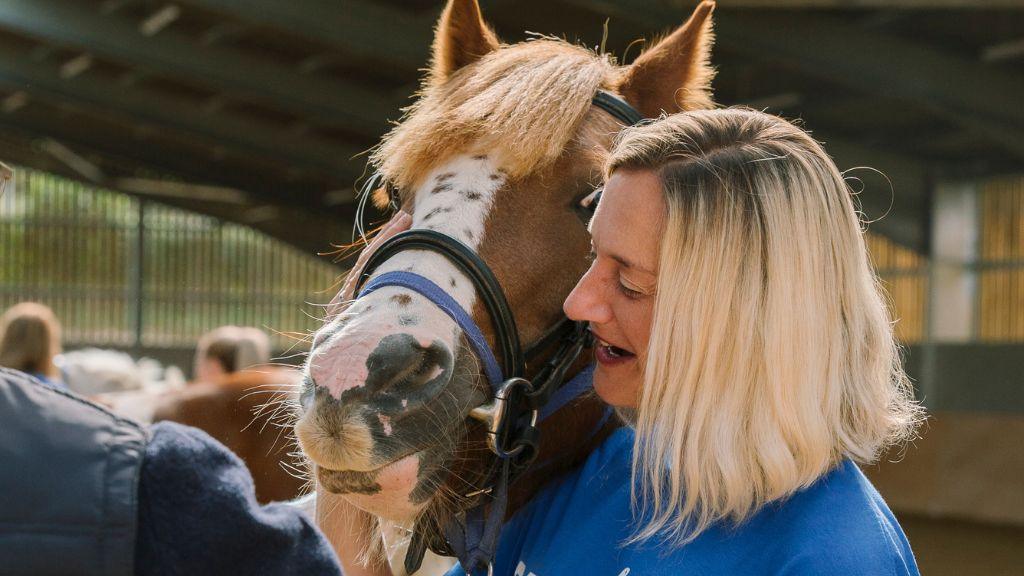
(839, 525)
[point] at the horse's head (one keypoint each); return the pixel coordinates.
(497, 153)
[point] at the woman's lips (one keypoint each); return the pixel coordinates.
(611, 355)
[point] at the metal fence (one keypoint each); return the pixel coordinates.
(904, 274)
(1000, 265)
(123, 272)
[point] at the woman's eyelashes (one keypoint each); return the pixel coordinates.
(624, 287)
(629, 292)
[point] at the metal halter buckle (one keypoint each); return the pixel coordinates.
(505, 436)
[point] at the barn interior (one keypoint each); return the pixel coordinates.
(259, 115)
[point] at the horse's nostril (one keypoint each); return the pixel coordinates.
(401, 363)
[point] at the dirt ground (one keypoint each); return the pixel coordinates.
(955, 548)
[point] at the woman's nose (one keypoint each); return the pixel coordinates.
(586, 301)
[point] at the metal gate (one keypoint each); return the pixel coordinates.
(123, 272)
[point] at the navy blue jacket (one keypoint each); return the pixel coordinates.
(83, 491)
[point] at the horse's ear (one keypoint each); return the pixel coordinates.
(461, 38)
(674, 74)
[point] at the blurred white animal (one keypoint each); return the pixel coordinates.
(114, 379)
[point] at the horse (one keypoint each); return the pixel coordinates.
(501, 150)
(244, 410)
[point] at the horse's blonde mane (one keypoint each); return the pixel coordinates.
(524, 100)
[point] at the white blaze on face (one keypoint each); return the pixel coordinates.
(454, 199)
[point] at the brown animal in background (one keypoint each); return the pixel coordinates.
(238, 410)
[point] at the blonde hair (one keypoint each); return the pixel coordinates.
(772, 354)
(234, 347)
(29, 339)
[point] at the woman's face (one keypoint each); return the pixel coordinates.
(616, 295)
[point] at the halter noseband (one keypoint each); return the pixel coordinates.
(517, 404)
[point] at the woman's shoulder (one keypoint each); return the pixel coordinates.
(565, 508)
(839, 524)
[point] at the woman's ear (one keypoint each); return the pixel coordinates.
(461, 38)
(674, 74)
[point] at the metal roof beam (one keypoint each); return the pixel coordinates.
(317, 232)
(864, 60)
(360, 29)
(171, 54)
(869, 4)
(18, 73)
(877, 63)
(31, 124)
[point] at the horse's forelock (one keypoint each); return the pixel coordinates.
(526, 100)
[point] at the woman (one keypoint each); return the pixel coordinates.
(29, 341)
(743, 337)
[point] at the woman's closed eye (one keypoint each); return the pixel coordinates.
(629, 291)
(624, 286)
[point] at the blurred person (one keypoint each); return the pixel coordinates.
(30, 339)
(229, 349)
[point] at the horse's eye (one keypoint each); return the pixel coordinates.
(377, 183)
(587, 205)
(394, 196)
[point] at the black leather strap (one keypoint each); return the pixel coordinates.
(617, 107)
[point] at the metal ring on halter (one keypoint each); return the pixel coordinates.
(500, 424)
